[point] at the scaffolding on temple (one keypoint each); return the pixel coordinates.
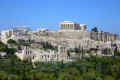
(21, 27)
(21, 30)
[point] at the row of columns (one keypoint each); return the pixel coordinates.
(109, 38)
(105, 37)
(49, 57)
(67, 26)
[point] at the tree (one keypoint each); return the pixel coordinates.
(101, 31)
(24, 75)
(55, 75)
(22, 42)
(89, 76)
(30, 61)
(3, 75)
(18, 47)
(62, 64)
(115, 51)
(76, 50)
(11, 41)
(80, 69)
(3, 47)
(47, 45)
(39, 76)
(108, 78)
(82, 48)
(13, 77)
(94, 29)
(68, 53)
(11, 50)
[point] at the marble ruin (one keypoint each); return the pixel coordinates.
(70, 35)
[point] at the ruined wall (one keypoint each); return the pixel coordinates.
(93, 35)
(104, 36)
(71, 34)
(78, 34)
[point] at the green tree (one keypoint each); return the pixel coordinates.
(115, 51)
(62, 64)
(68, 53)
(55, 75)
(13, 77)
(94, 29)
(18, 47)
(22, 42)
(101, 31)
(11, 41)
(3, 75)
(108, 78)
(89, 76)
(24, 74)
(3, 47)
(76, 50)
(11, 50)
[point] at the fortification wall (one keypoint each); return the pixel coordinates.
(78, 34)
(71, 34)
(104, 36)
(93, 35)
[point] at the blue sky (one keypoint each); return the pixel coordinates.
(103, 14)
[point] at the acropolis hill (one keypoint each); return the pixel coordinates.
(69, 37)
(72, 30)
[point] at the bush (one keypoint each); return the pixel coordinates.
(3, 47)
(22, 42)
(11, 41)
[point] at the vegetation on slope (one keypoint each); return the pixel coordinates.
(90, 68)
(93, 68)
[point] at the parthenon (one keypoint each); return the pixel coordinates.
(69, 25)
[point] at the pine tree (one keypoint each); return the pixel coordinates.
(24, 75)
(55, 74)
(115, 51)
(62, 64)
(109, 69)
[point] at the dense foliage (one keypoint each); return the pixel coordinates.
(94, 29)
(11, 41)
(76, 50)
(4, 48)
(46, 45)
(92, 68)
